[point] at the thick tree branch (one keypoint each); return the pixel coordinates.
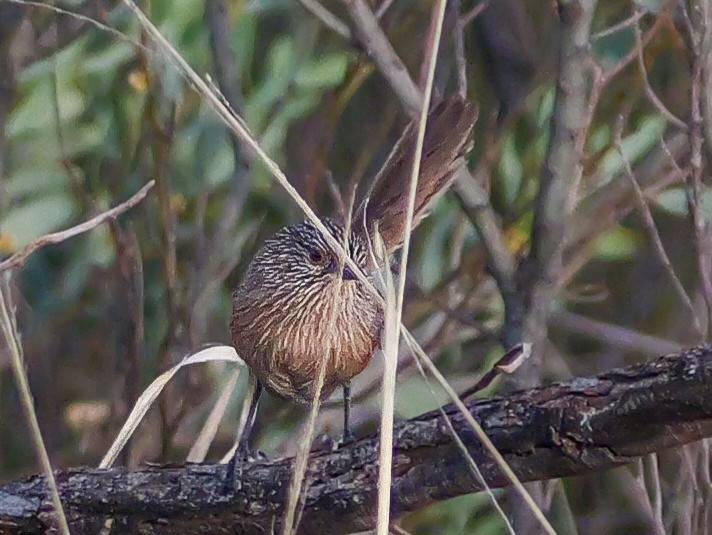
(558, 430)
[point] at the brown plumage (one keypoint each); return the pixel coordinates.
(297, 305)
(292, 293)
(447, 141)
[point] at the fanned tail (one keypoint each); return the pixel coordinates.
(447, 141)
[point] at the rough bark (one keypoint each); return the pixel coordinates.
(562, 429)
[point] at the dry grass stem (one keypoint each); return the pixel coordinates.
(291, 516)
(238, 128)
(207, 434)
(424, 359)
(393, 316)
(12, 341)
(149, 395)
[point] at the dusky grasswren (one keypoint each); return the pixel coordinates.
(298, 304)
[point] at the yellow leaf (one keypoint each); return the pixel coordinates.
(7, 244)
(517, 238)
(178, 203)
(138, 80)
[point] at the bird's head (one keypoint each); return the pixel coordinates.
(299, 257)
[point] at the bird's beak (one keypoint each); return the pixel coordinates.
(348, 274)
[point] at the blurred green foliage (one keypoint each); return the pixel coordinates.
(94, 115)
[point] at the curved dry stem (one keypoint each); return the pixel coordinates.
(12, 340)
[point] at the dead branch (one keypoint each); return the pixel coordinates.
(558, 430)
(18, 259)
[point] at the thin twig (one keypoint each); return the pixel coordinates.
(460, 58)
(501, 262)
(383, 8)
(471, 15)
(631, 56)
(649, 91)
(18, 259)
(12, 341)
(130, 267)
(615, 336)
(397, 530)
(624, 24)
(327, 18)
(650, 463)
(78, 16)
(507, 363)
(380, 50)
(652, 228)
(694, 181)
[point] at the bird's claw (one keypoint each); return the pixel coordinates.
(233, 474)
(347, 438)
(327, 443)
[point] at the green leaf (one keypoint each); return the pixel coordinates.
(41, 216)
(36, 180)
(272, 140)
(279, 73)
(36, 111)
(511, 170)
(674, 201)
(634, 146)
(619, 243)
(110, 59)
(325, 72)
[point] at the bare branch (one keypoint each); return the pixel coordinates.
(540, 273)
(624, 24)
(558, 430)
(694, 182)
(460, 58)
(652, 229)
(327, 18)
(614, 335)
(18, 259)
(471, 15)
(562, 171)
(379, 48)
(649, 91)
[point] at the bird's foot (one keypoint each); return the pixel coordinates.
(233, 474)
(326, 443)
(346, 438)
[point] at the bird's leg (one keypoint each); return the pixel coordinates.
(242, 453)
(348, 436)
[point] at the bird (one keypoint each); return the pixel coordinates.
(299, 302)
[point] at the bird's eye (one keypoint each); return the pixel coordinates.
(316, 256)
